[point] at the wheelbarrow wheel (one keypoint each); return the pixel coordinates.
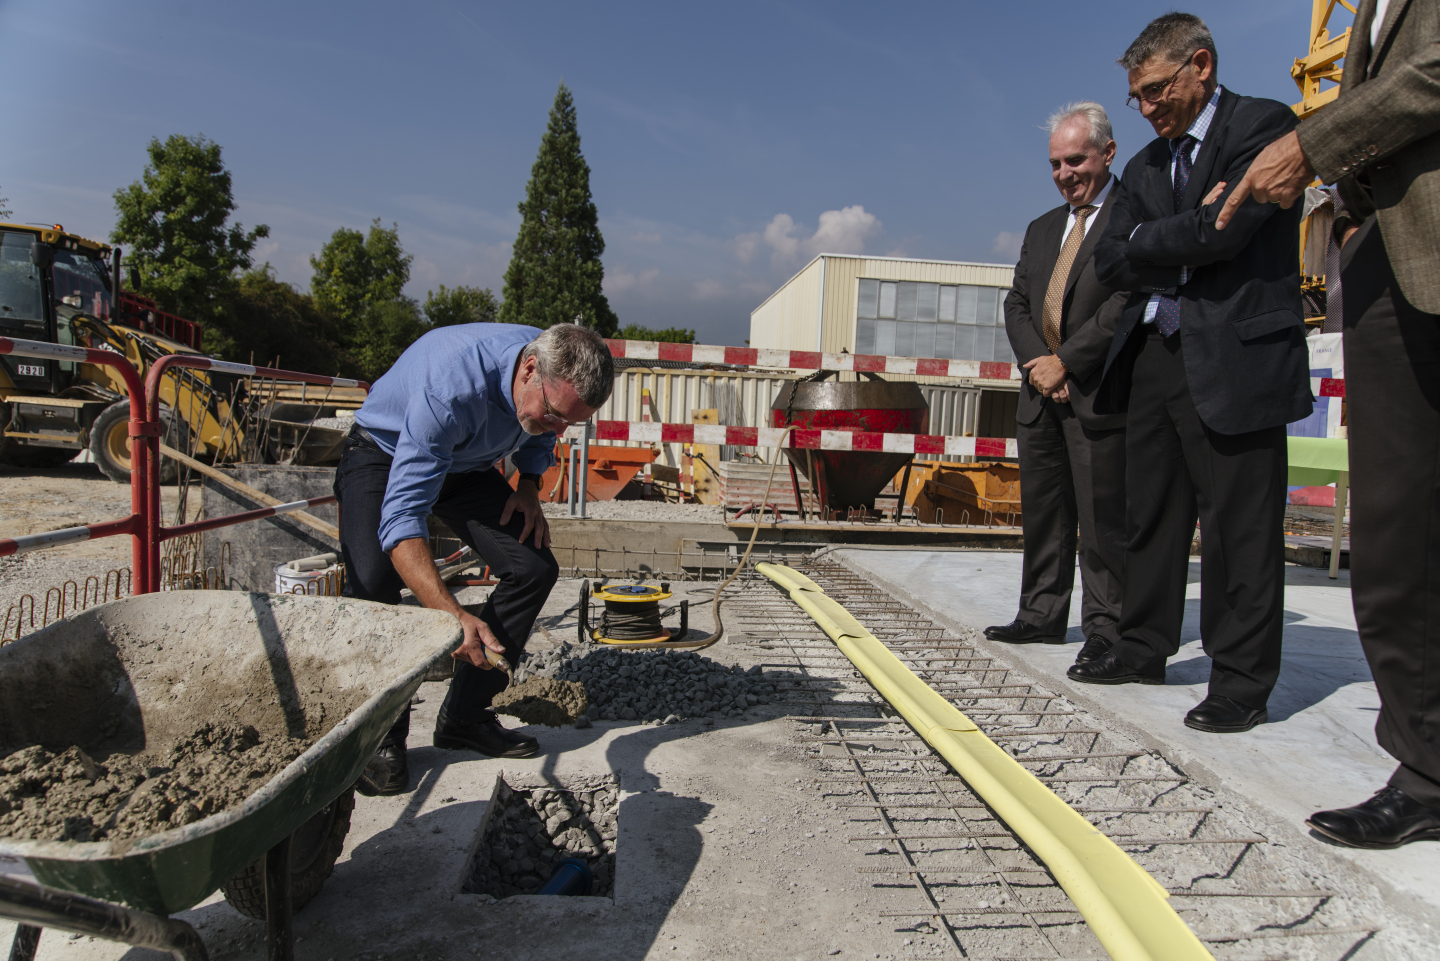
(314, 848)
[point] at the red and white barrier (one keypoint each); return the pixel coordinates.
(812, 360)
(646, 432)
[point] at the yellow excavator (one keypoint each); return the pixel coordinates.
(61, 288)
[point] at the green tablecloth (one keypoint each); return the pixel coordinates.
(1316, 461)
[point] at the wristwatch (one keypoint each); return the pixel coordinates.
(535, 479)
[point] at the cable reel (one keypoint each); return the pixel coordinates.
(632, 617)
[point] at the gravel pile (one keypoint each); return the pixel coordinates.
(651, 685)
(531, 830)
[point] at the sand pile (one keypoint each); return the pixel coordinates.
(651, 685)
(543, 700)
(71, 797)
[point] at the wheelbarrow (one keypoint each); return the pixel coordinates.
(128, 676)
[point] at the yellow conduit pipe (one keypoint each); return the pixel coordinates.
(1126, 908)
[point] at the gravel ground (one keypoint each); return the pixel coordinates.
(33, 501)
(644, 511)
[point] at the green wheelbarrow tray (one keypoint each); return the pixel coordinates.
(132, 675)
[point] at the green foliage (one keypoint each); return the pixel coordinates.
(355, 272)
(555, 275)
(669, 335)
(5, 211)
(265, 319)
(173, 220)
(460, 305)
(382, 333)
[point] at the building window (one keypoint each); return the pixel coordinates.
(951, 321)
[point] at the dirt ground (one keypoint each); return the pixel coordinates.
(34, 501)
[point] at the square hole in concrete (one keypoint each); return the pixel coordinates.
(528, 830)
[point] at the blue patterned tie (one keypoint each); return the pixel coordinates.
(1167, 311)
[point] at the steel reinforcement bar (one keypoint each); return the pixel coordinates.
(1125, 907)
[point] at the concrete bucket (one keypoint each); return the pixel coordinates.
(845, 480)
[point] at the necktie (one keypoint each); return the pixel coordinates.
(1334, 299)
(1167, 313)
(1055, 293)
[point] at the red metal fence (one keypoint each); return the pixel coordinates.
(146, 428)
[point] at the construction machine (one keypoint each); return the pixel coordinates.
(61, 288)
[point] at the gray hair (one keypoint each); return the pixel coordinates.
(1173, 38)
(1088, 112)
(576, 355)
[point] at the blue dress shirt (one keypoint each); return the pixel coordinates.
(444, 408)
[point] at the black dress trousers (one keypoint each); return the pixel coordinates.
(1392, 386)
(1071, 477)
(471, 504)
(1177, 470)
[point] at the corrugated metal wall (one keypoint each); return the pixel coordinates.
(744, 399)
(788, 319)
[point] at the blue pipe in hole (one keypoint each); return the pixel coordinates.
(572, 878)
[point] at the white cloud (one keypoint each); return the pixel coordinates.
(709, 289)
(622, 282)
(841, 231)
(1007, 244)
(646, 238)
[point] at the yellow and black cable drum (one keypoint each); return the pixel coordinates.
(632, 614)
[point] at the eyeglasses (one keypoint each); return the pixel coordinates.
(550, 417)
(1155, 92)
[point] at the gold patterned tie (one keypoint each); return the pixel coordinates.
(1055, 294)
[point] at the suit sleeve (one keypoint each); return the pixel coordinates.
(1112, 267)
(1189, 238)
(1085, 350)
(1374, 119)
(1025, 340)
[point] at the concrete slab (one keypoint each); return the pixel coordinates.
(1318, 751)
(726, 849)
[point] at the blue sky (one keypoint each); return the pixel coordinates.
(727, 143)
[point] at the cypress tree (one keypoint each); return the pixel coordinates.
(555, 274)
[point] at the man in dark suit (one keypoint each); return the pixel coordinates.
(1212, 353)
(1380, 143)
(1061, 321)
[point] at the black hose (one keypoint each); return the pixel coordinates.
(631, 621)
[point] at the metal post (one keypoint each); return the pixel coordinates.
(279, 938)
(27, 940)
(1342, 490)
(584, 464)
(570, 484)
(904, 489)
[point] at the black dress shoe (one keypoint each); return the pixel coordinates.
(485, 736)
(1018, 632)
(1095, 646)
(1220, 715)
(1389, 819)
(386, 773)
(1109, 669)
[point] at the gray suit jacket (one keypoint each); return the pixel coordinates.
(1089, 314)
(1380, 141)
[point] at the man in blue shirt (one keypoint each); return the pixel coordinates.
(427, 440)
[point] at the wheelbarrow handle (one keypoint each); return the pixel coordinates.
(35, 906)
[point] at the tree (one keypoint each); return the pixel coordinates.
(555, 274)
(5, 211)
(355, 272)
(173, 219)
(669, 335)
(266, 318)
(460, 305)
(382, 333)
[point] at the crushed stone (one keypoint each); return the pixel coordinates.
(543, 700)
(533, 829)
(68, 796)
(651, 685)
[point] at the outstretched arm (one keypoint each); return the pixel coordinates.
(1191, 238)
